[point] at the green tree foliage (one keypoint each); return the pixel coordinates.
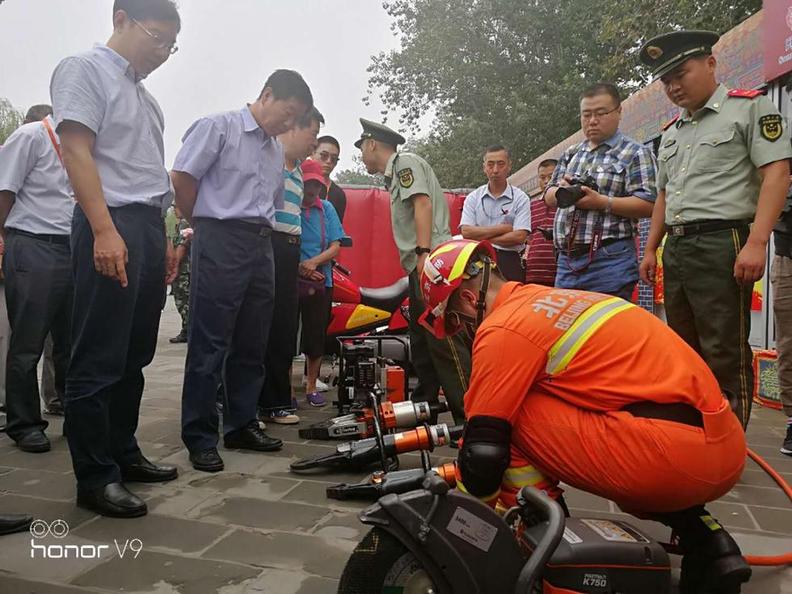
(10, 119)
(358, 176)
(511, 71)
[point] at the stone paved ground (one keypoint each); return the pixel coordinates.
(257, 528)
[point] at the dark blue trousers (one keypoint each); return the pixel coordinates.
(231, 300)
(39, 289)
(282, 341)
(114, 336)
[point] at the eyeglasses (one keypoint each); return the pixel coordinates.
(325, 156)
(160, 43)
(590, 115)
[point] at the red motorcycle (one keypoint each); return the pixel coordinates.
(361, 310)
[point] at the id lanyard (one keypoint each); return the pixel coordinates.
(596, 240)
(53, 139)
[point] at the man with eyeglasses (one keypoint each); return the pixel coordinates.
(228, 178)
(327, 153)
(723, 178)
(111, 131)
(499, 213)
(595, 234)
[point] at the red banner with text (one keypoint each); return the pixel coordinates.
(777, 38)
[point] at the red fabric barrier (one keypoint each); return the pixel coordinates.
(373, 258)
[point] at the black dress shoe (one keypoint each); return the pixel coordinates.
(207, 461)
(113, 500)
(10, 523)
(251, 437)
(144, 471)
(34, 442)
(180, 338)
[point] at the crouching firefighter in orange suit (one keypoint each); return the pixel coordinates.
(593, 391)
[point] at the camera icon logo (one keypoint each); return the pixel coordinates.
(41, 529)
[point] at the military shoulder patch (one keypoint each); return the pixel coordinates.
(670, 122)
(406, 178)
(771, 126)
(745, 93)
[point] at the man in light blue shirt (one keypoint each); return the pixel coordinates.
(275, 403)
(500, 213)
(111, 129)
(36, 210)
(228, 178)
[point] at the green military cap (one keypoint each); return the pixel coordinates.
(665, 52)
(379, 132)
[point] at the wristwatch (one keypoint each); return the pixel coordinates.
(422, 250)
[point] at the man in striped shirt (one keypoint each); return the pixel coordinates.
(275, 402)
(540, 258)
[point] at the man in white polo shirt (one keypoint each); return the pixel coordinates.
(499, 213)
(35, 211)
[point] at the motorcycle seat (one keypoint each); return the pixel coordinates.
(386, 298)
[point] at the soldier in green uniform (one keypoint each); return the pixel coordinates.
(420, 222)
(180, 288)
(722, 179)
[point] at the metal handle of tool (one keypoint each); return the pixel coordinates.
(364, 452)
(374, 402)
(553, 514)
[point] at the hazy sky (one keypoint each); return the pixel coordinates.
(227, 48)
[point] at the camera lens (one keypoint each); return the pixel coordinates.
(567, 196)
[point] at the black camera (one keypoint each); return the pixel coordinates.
(566, 196)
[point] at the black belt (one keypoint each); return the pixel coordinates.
(678, 412)
(705, 227)
(260, 229)
(49, 238)
(783, 244)
(289, 238)
(581, 249)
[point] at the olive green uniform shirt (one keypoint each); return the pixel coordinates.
(708, 162)
(171, 224)
(407, 175)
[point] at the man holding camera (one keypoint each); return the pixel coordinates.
(723, 178)
(601, 186)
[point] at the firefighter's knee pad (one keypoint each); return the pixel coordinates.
(485, 454)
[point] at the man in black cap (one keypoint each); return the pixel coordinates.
(722, 180)
(420, 222)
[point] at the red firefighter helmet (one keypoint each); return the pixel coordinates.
(443, 272)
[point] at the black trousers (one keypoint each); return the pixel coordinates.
(38, 293)
(510, 265)
(315, 316)
(442, 363)
(282, 342)
(231, 297)
(114, 336)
